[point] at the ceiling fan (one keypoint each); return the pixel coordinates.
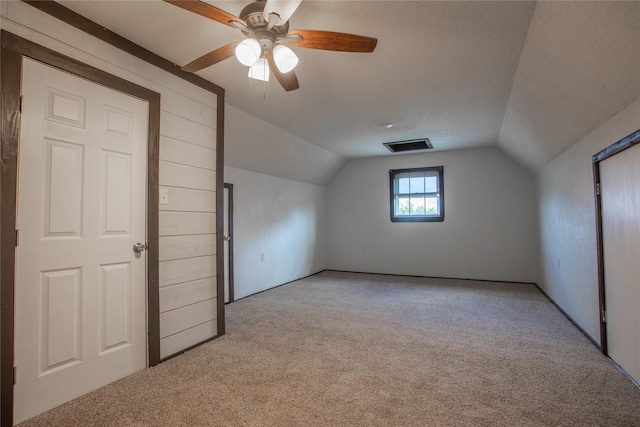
(265, 23)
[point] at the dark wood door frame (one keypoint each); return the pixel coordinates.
(14, 48)
(616, 148)
(229, 220)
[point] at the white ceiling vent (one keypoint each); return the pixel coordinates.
(412, 145)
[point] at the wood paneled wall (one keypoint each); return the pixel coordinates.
(187, 227)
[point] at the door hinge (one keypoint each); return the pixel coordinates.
(18, 237)
(15, 375)
(597, 189)
(21, 103)
(603, 314)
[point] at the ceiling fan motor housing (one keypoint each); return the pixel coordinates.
(258, 27)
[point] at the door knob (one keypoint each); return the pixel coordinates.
(139, 247)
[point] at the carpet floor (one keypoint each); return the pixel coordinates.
(344, 349)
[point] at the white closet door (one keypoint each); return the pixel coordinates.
(620, 190)
(80, 320)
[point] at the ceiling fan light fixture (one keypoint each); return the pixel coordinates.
(248, 52)
(260, 70)
(284, 58)
(282, 9)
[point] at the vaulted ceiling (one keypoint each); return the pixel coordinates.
(531, 78)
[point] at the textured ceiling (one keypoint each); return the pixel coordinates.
(580, 66)
(529, 78)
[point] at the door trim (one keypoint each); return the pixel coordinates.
(13, 50)
(229, 220)
(616, 148)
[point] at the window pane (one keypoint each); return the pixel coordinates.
(417, 185)
(417, 206)
(403, 185)
(431, 207)
(403, 206)
(431, 184)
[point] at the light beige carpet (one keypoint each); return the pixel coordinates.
(340, 349)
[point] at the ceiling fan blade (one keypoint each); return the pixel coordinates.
(283, 8)
(289, 81)
(208, 11)
(211, 58)
(329, 40)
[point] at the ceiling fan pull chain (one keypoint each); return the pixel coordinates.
(265, 66)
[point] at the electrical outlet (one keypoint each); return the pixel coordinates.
(164, 196)
(261, 256)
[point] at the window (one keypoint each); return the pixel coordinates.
(417, 195)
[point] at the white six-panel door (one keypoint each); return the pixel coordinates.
(80, 319)
(620, 201)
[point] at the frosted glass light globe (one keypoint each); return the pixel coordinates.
(248, 52)
(284, 58)
(260, 70)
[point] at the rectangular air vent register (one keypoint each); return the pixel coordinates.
(412, 145)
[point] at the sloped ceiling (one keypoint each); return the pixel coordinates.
(530, 78)
(580, 65)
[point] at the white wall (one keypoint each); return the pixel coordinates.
(255, 145)
(281, 219)
(279, 198)
(489, 230)
(187, 169)
(567, 269)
